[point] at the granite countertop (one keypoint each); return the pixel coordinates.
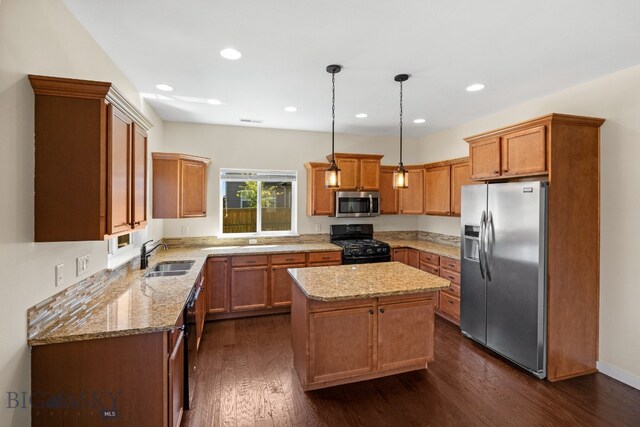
(355, 281)
(426, 246)
(133, 304)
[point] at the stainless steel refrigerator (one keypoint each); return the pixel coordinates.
(504, 277)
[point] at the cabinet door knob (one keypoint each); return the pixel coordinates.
(370, 311)
(382, 310)
(496, 172)
(505, 171)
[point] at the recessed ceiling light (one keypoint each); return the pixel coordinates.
(419, 121)
(475, 87)
(290, 109)
(230, 53)
(213, 101)
(164, 87)
(362, 115)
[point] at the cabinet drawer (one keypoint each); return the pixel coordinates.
(449, 304)
(454, 290)
(253, 260)
(450, 264)
(430, 268)
(324, 257)
(450, 275)
(288, 259)
(429, 258)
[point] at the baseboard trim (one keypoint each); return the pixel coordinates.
(619, 374)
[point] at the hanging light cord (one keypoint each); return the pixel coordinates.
(333, 113)
(401, 123)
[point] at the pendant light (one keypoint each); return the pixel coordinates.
(332, 173)
(401, 175)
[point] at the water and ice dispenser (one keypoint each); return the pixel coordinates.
(471, 242)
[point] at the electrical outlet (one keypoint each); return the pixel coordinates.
(318, 228)
(59, 275)
(185, 230)
(82, 265)
(253, 241)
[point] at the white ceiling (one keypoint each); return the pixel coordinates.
(519, 49)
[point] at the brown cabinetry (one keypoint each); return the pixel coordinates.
(412, 198)
(400, 255)
(90, 161)
(320, 200)
(521, 152)
(359, 172)
(353, 340)
(444, 181)
(176, 381)
(249, 282)
(449, 300)
(217, 286)
(280, 280)
(179, 185)
(388, 195)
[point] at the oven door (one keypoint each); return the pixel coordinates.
(351, 204)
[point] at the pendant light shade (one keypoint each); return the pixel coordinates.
(401, 175)
(332, 173)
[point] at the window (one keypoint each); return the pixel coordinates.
(257, 202)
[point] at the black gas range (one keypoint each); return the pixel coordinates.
(358, 244)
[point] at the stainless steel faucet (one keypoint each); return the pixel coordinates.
(145, 254)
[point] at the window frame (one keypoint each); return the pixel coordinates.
(294, 203)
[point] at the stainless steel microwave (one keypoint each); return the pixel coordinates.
(351, 204)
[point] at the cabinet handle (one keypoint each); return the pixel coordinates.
(250, 262)
(450, 277)
(289, 259)
(450, 301)
(505, 171)
(496, 172)
(382, 310)
(370, 311)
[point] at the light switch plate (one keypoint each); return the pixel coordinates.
(318, 228)
(82, 265)
(59, 275)
(253, 241)
(185, 230)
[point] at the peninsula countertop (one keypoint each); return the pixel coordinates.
(356, 281)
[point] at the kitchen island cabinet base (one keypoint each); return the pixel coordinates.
(325, 355)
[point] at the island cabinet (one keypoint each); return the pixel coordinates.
(346, 341)
(444, 181)
(90, 161)
(359, 172)
(179, 185)
(320, 200)
(245, 285)
(131, 380)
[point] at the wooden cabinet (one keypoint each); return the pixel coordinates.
(388, 194)
(179, 185)
(400, 255)
(281, 282)
(444, 181)
(397, 349)
(320, 200)
(90, 161)
(510, 153)
(201, 305)
(249, 282)
(341, 343)
(438, 190)
(317, 259)
(413, 258)
(217, 286)
(567, 148)
(412, 198)
(359, 172)
(346, 341)
(176, 381)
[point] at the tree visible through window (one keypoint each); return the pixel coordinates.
(258, 202)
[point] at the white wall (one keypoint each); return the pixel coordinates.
(616, 98)
(259, 148)
(38, 37)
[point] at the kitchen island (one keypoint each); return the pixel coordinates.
(352, 323)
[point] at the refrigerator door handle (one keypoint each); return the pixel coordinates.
(489, 245)
(483, 224)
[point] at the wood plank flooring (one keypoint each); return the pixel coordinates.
(246, 377)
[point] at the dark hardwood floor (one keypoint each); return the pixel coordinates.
(246, 377)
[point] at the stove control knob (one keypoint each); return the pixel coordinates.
(369, 251)
(379, 250)
(385, 250)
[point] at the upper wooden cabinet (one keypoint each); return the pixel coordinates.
(412, 198)
(444, 181)
(515, 152)
(359, 172)
(179, 185)
(320, 200)
(90, 161)
(389, 202)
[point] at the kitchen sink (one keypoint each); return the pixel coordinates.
(166, 273)
(173, 266)
(170, 268)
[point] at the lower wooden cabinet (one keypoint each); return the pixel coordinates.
(250, 283)
(413, 258)
(360, 339)
(176, 381)
(400, 255)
